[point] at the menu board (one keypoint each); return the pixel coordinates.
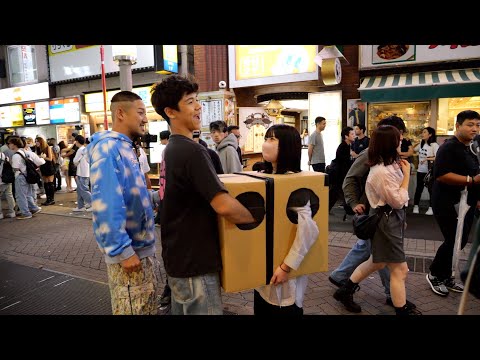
(71, 107)
(11, 116)
(57, 112)
(29, 114)
(42, 113)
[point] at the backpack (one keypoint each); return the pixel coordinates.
(8, 176)
(332, 171)
(32, 176)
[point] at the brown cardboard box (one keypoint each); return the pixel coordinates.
(250, 256)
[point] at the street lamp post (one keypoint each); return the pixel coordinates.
(125, 56)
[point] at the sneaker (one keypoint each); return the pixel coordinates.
(406, 311)
(345, 296)
(429, 211)
(36, 211)
(11, 215)
(78, 210)
(454, 286)
(415, 209)
(438, 287)
(22, 217)
(42, 196)
(1, 216)
(335, 282)
(408, 304)
(88, 209)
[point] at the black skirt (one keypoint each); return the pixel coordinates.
(387, 243)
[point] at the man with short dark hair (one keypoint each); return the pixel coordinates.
(456, 166)
(361, 141)
(192, 197)
(227, 146)
(316, 152)
(123, 221)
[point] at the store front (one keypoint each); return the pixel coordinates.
(422, 99)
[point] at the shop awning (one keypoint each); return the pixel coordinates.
(421, 86)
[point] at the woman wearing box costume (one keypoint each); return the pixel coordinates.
(281, 151)
(387, 193)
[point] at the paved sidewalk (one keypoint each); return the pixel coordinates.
(59, 240)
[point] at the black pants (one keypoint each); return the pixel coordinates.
(442, 263)
(261, 307)
(319, 167)
(419, 190)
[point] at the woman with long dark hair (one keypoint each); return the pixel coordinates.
(47, 170)
(427, 150)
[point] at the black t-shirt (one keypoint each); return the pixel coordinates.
(455, 157)
(343, 161)
(189, 228)
(404, 148)
(360, 144)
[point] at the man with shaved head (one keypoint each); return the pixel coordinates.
(123, 220)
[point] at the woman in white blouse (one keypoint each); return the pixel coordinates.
(427, 150)
(387, 193)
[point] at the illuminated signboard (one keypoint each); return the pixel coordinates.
(166, 59)
(24, 93)
(71, 107)
(251, 65)
(94, 101)
(57, 112)
(11, 116)
(29, 115)
(42, 113)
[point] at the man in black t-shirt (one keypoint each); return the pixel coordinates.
(456, 166)
(361, 141)
(191, 197)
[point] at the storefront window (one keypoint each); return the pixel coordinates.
(449, 108)
(416, 116)
(22, 64)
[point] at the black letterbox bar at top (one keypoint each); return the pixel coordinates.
(269, 211)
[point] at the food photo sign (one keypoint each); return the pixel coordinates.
(374, 56)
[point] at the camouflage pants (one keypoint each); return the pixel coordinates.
(134, 293)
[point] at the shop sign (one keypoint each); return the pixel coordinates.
(68, 62)
(29, 116)
(11, 116)
(57, 112)
(24, 93)
(251, 65)
(71, 108)
(166, 59)
(376, 56)
(42, 112)
(94, 101)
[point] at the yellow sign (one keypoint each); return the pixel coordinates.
(258, 61)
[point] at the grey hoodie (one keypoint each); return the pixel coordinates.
(227, 151)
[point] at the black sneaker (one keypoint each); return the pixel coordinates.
(450, 284)
(409, 304)
(335, 282)
(406, 311)
(166, 297)
(438, 287)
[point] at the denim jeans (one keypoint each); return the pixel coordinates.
(84, 197)
(25, 196)
(359, 253)
(7, 190)
(199, 295)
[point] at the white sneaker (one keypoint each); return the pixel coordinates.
(78, 210)
(415, 209)
(43, 196)
(429, 211)
(11, 215)
(89, 209)
(1, 216)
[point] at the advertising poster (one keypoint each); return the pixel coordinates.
(356, 112)
(42, 113)
(57, 112)
(29, 116)
(71, 108)
(253, 123)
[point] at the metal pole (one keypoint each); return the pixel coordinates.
(104, 88)
(126, 82)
